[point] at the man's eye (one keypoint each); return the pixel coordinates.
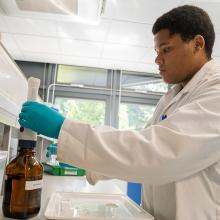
(166, 49)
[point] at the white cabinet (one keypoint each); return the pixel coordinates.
(13, 89)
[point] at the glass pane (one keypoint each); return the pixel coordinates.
(91, 111)
(143, 83)
(81, 76)
(134, 116)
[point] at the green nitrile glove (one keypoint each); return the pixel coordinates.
(41, 119)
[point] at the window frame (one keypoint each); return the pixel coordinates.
(112, 94)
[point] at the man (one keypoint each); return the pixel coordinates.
(177, 156)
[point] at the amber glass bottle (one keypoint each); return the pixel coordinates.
(23, 183)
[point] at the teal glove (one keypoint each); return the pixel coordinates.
(41, 119)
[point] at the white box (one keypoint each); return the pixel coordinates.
(93, 206)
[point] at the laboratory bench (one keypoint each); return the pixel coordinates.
(72, 184)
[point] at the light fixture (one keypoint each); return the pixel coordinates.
(84, 11)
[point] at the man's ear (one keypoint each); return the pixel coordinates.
(199, 42)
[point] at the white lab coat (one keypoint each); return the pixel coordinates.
(177, 159)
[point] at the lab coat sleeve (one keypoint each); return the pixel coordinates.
(186, 142)
(93, 177)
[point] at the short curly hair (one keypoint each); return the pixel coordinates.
(188, 21)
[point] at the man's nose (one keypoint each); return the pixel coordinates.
(158, 59)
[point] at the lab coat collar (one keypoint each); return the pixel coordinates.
(179, 91)
(201, 75)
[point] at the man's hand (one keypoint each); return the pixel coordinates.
(41, 119)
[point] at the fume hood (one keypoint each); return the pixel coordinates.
(13, 89)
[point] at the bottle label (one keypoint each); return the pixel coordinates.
(70, 172)
(31, 185)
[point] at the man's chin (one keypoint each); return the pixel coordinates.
(167, 81)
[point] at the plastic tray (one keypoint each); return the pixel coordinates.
(93, 206)
(63, 170)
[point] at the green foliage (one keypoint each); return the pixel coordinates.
(131, 116)
(134, 116)
(89, 111)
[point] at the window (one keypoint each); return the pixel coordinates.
(121, 99)
(140, 93)
(147, 83)
(134, 116)
(82, 93)
(91, 111)
(81, 76)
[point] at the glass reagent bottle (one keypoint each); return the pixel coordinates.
(23, 183)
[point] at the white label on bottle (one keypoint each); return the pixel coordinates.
(70, 172)
(31, 185)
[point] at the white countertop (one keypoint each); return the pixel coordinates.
(73, 184)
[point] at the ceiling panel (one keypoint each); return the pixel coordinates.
(117, 65)
(38, 57)
(148, 56)
(80, 48)
(37, 44)
(216, 49)
(129, 33)
(3, 25)
(147, 67)
(83, 31)
(122, 52)
(31, 26)
(217, 59)
(9, 42)
(122, 40)
(142, 11)
(16, 54)
(80, 61)
(212, 7)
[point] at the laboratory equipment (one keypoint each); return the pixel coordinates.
(56, 168)
(52, 155)
(92, 206)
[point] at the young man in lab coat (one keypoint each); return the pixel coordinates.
(177, 157)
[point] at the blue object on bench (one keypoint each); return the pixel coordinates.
(134, 192)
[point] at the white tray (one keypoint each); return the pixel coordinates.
(93, 206)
